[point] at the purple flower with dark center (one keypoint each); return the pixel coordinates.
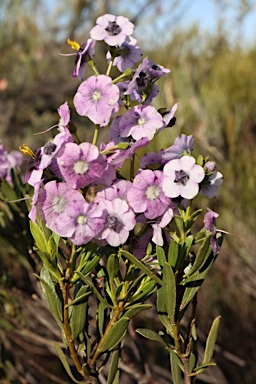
(112, 29)
(183, 145)
(182, 177)
(140, 121)
(120, 220)
(128, 54)
(97, 98)
(80, 165)
(53, 202)
(210, 225)
(142, 87)
(85, 50)
(122, 86)
(152, 160)
(146, 194)
(81, 222)
(211, 184)
(114, 131)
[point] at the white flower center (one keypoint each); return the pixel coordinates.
(81, 220)
(153, 192)
(141, 120)
(81, 167)
(59, 204)
(96, 95)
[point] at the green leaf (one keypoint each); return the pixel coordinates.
(95, 290)
(145, 290)
(173, 253)
(202, 253)
(160, 255)
(79, 311)
(113, 370)
(175, 368)
(151, 335)
(65, 363)
(169, 290)
(162, 311)
(112, 266)
(115, 335)
(141, 266)
(101, 317)
(202, 368)
(50, 295)
(38, 236)
(136, 308)
(211, 340)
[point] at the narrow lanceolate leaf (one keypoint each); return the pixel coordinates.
(136, 308)
(94, 289)
(115, 335)
(141, 266)
(79, 312)
(50, 295)
(113, 370)
(175, 368)
(202, 253)
(169, 287)
(162, 311)
(173, 253)
(65, 363)
(38, 236)
(160, 255)
(211, 340)
(151, 335)
(112, 266)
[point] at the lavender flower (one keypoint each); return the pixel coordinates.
(112, 29)
(81, 222)
(118, 189)
(212, 181)
(142, 87)
(83, 52)
(53, 202)
(128, 53)
(210, 225)
(120, 220)
(146, 194)
(8, 161)
(183, 145)
(97, 98)
(140, 121)
(80, 165)
(182, 177)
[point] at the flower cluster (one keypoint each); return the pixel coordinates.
(79, 190)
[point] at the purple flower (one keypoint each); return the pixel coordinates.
(140, 121)
(119, 157)
(183, 145)
(152, 160)
(128, 54)
(169, 118)
(80, 165)
(85, 50)
(160, 224)
(8, 161)
(211, 184)
(210, 225)
(146, 194)
(112, 29)
(97, 98)
(64, 114)
(119, 189)
(81, 222)
(120, 220)
(53, 202)
(142, 87)
(182, 177)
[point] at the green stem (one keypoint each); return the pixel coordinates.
(110, 325)
(67, 330)
(95, 136)
(109, 68)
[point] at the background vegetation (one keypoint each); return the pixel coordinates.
(213, 79)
